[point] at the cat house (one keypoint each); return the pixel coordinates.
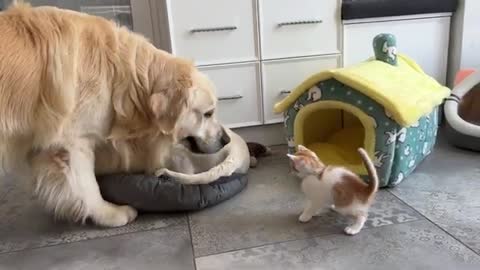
(386, 105)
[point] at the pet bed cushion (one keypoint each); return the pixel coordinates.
(149, 193)
(461, 111)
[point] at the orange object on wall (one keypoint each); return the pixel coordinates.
(462, 74)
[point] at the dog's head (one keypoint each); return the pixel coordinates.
(185, 107)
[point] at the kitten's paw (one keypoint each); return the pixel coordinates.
(304, 218)
(351, 230)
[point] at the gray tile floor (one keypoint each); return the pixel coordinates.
(430, 221)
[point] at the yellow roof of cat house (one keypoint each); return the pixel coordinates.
(336, 111)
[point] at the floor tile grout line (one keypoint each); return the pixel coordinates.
(191, 242)
(90, 239)
(5, 193)
(302, 239)
(434, 223)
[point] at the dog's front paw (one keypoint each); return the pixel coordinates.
(304, 218)
(111, 215)
(352, 230)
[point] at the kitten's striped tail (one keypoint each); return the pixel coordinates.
(372, 172)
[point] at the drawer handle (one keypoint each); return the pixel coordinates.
(230, 97)
(213, 29)
(299, 22)
(285, 92)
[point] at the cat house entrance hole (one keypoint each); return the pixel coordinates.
(335, 134)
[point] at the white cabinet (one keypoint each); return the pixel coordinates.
(238, 92)
(281, 76)
(423, 38)
(213, 31)
(251, 48)
(291, 28)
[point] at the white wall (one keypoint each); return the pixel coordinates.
(423, 38)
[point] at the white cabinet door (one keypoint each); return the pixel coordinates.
(292, 28)
(424, 40)
(281, 76)
(213, 31)
(238, 92)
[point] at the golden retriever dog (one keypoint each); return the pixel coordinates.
(71, 85)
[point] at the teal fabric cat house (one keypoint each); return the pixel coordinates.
(386, 105)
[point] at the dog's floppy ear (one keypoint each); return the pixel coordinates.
(170, 91)
(166, 109)
(159, 105)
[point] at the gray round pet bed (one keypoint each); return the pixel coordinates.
(220, 176)
(462, 113)
(149, 193)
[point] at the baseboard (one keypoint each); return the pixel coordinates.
(265, 134)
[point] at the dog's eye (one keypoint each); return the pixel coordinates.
(208, 114)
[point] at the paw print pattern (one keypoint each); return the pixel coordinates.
(379, 159)
(422, 135)
(407, 150)
(388, 114)
(314, 94)
(427, 119)
(297, 106)
(411, 163)
(391, 51)
(416, 124)
(399, 178)
(426, 149)
(391, 136)
(402, 135)
(290, 142)
(285, 120)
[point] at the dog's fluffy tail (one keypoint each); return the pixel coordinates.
(372, 172)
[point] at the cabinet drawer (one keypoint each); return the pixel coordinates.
(213, 31)
(281, 76)
(299, 27)
(238, 92)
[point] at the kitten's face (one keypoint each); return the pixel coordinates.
(305, 162)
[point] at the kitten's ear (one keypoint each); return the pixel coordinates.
(301, 148)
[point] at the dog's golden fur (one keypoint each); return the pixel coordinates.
(81, 84)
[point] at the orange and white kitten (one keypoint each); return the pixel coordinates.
(334, 187)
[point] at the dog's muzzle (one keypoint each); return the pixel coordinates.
(200, 146)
